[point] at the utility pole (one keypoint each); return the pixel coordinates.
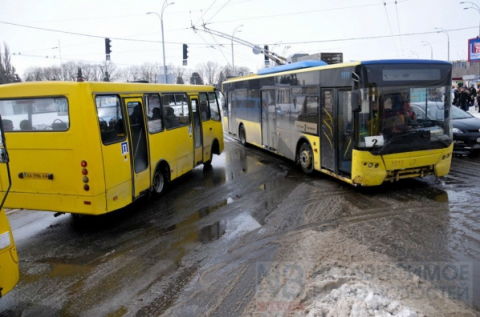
(164, 6)
(233, 60)
(431, 48)
(448, 40)
(473, 6)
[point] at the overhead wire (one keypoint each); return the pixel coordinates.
(297, 42)
(300, 12)
(205, 12)
(389, 25)
(399, 31)
(218, 11)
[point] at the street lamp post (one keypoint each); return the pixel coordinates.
(233, 60)
(61, 62)
(473, 6)
(425, 43)
(165, 4)
(413, 52)
(448, 39)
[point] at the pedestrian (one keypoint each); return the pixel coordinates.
(455, 96)
(478, 99)
(472, 95)
(462, 99)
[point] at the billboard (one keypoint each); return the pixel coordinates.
(474, 50)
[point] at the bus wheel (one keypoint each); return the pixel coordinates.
(243, 138)
(208, 162)
(159, 182)
(305, 158)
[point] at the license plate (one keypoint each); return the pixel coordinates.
(478, 140)
(36, 175)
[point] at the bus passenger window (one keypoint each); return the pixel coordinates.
(171, 120)
(110, 119)
(155, 120)
(214, 110)
(204, 109)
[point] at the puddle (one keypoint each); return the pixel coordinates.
(212, 232)
(201, 213)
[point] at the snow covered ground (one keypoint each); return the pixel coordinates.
(321, 274)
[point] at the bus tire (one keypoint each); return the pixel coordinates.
(305, 158)
(208, 162)
(159, 182)
(242, 135)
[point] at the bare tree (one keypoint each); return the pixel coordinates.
(7, 71)
(69, 72)
(123, 74)
(211, 71)
(242, 71)
(149, 72)
(179, 74)
(34, 74)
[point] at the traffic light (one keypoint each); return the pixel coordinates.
(185, 51)
(108, 46)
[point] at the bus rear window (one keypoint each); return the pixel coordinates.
(35, 114)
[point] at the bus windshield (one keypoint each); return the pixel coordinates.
(404, 110)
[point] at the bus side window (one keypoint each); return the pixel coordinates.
(171, 120)
(214, 110)
(110, 119)
(154, 117)
(204, 110)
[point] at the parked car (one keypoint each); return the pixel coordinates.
(466, 132)
(466, 128)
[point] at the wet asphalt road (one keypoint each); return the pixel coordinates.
(194, 251)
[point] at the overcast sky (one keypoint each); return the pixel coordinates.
(360, 29)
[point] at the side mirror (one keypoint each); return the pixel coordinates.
(355, 101)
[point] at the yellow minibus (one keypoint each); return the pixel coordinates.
(9, 272)
(94, 147)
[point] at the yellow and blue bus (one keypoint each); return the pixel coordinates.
(94, 147)
(9, 272)
(347, 120)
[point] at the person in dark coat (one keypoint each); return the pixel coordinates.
(463, 99)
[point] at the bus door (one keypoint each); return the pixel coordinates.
(336, 130)
(197, 132)
(345, 131)
(269, 132)
(138, 146)
(328, 129)
(231, 114)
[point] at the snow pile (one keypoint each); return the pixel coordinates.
(326, 274)
(358, 300)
